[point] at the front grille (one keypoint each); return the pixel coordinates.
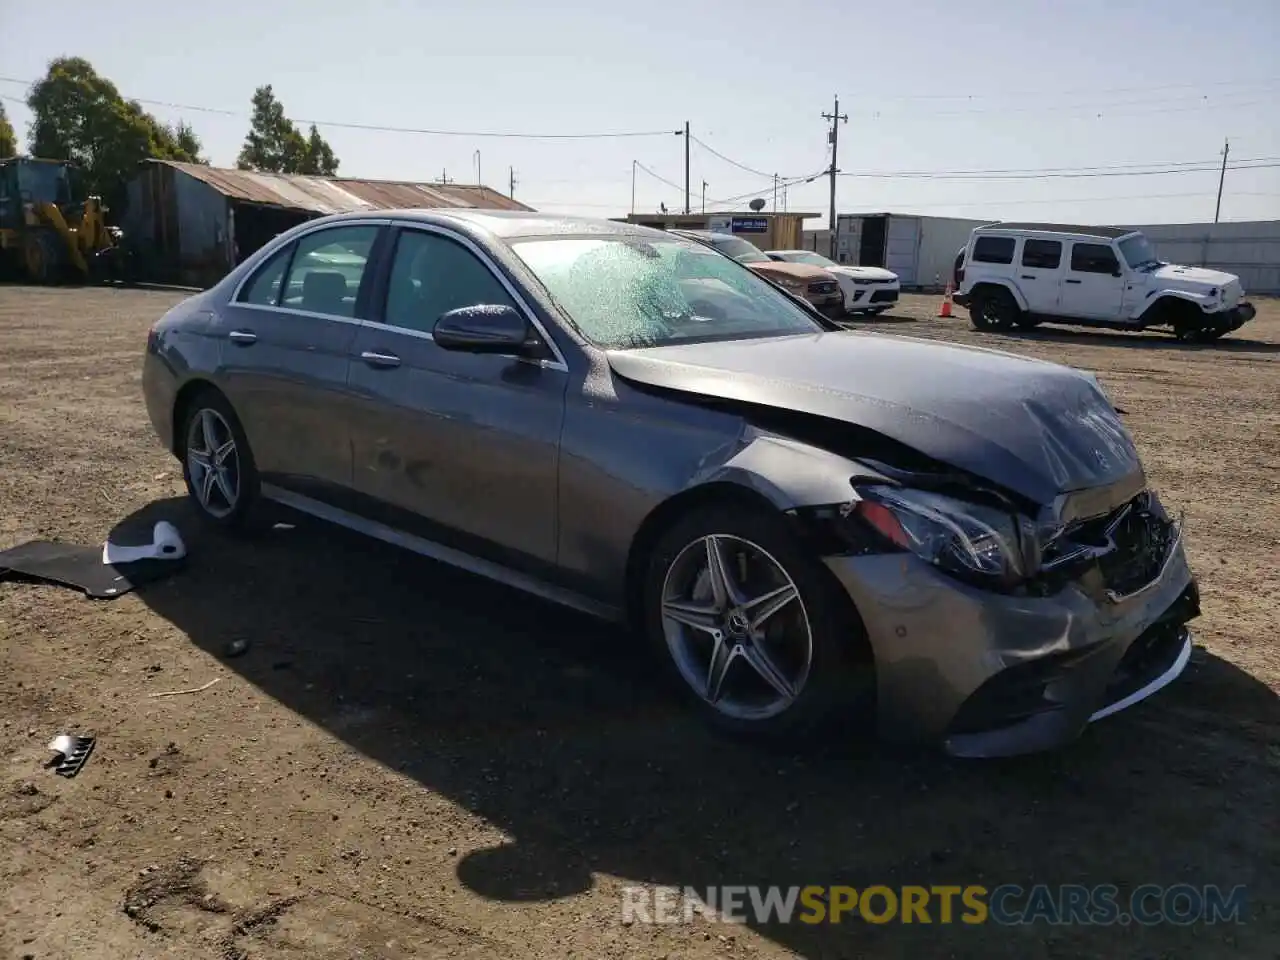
(823, 287)
(1129, 545)
(1142, 540)
(880, 296)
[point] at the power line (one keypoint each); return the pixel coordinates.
(781, 184)
(908, 207)
(382, 128)
(1258, 163)
(1100, 107)
(1038, 170)
(1011, 94)
(734, 163)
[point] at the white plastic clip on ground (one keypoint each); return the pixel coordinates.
(166, 544)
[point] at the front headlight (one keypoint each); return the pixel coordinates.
(968, 540)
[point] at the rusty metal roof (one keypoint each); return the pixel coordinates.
(340, 194)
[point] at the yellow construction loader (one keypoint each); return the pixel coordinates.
(44, 234)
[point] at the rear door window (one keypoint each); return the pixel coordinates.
(993, 250)
(1042, 254)
(328, 269)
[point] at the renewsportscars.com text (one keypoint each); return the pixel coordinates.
(1007, 904)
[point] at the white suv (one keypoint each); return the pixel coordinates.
(869, 290)
(1025, 274)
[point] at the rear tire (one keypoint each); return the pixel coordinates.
(803, 665)
(993, 310)
(217, 464)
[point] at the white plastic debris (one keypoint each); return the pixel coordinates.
(166, 544)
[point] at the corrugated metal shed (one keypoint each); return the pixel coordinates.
(325, 195)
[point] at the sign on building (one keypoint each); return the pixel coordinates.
(749, 225)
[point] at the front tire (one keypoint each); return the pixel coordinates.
(217, 464)
(756, 634)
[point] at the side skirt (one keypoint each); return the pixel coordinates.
(437, 551)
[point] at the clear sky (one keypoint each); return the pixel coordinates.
(929, 85)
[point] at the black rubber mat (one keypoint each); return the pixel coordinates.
(73, 565)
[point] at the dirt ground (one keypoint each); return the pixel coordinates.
(409, 762)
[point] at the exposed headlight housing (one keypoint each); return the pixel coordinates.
(971, 541)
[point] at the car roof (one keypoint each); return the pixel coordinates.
(510, 225)
(793, 251)
(1080, 230)
(703, 234)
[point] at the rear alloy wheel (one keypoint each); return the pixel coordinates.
(994, 310)
(752, 628)
(217, 464)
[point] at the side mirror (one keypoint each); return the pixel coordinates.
(1117, 272)
(483, 328)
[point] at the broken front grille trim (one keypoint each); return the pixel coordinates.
(1086, 552)
(1172, 545)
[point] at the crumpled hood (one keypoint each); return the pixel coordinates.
(779, 268)
(1037, 428)
(864, 273)
(1172, 273)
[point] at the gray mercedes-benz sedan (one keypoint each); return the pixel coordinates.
(802, 520)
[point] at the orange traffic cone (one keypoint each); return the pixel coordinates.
(946, 302)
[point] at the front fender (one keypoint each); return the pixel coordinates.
(788, 473)
(1160, 298)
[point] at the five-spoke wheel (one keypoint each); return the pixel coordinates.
(217, 463)
(736, 627)
(753, 627)
(212, 463)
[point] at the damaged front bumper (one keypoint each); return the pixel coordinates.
(1233, 319)
(992, 674)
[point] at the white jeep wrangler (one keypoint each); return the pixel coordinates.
(1025, 274)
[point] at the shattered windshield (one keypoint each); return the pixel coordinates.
(629, 292)
(1138, 253)
(740, 250)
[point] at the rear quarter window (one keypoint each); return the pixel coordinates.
(993, 250)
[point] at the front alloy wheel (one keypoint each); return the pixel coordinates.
(736, 627)
(213, 463)
(754, 630)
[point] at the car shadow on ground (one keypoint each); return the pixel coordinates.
(1139, 340)
(556, 729)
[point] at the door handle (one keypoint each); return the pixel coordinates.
(1071, 281)
(242, 337)
(1027, 276)
(380, 360)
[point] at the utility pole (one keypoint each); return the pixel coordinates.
(1222, 176)
(633, 187)
(511, 183)
(775, 193)
(704, 196)
(444, 177)
(686, 168)
(836, 119)
(479, 179)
